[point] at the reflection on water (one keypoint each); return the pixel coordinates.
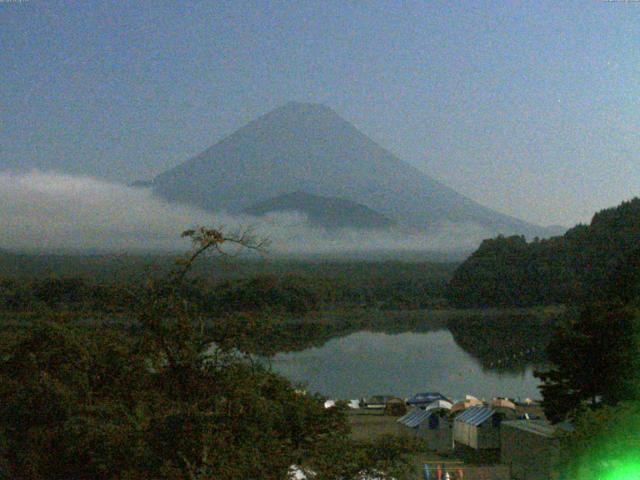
(365, 363)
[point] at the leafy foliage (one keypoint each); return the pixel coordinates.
(173, 401)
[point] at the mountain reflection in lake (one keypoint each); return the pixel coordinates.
(365, 363)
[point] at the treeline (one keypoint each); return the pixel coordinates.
(576, 267)
(397, 287)
(288, 295)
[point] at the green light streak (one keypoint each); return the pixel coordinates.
(625, 471)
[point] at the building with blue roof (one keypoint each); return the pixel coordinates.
(434, 426)
(478, 428)
(409, 424)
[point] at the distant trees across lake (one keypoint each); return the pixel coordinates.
(573, 268)
(305, 288)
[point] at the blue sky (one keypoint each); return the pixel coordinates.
(532, 108)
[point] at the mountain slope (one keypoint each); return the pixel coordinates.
(327, 212)
(309, 147)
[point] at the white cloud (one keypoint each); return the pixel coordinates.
(48, 212)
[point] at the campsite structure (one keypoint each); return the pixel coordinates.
(529, 448)
(478, 428)
(434, 426)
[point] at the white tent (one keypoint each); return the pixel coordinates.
(439, 404)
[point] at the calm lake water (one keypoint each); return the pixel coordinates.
(367, 363)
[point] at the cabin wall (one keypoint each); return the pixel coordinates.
(465, 434)
(439, 439)
(484, 437)
(407, 432)
(488, 436)
(530, 456)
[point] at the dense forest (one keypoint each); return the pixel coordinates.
(570, 269)
(291, 287)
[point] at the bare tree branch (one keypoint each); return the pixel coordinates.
(204, 239)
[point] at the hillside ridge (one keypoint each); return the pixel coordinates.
(323, 211)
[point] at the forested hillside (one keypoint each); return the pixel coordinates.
(293, 287)
(578, 266)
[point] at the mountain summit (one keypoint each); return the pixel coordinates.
(310, 148)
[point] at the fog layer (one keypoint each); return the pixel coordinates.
(52, 212)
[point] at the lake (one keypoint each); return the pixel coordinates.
(365, 363)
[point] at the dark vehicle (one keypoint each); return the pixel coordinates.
(425, 398)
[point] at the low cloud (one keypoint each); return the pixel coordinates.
(52, 212)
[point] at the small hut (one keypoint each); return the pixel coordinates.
(433, 426)
(529, 448)
(478, 428)
(408, 424)
(437, 430)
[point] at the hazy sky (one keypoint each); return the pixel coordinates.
(532, 108)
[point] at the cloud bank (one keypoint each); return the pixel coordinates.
(53, 212)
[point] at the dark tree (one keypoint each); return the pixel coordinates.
(595, 356)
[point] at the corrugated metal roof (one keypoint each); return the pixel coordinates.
(475, 415)
(414, 418)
